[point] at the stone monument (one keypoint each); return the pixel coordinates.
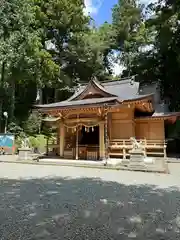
(137, 154)
(24, 150)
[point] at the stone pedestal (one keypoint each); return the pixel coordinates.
(24, 153)
(137, 157)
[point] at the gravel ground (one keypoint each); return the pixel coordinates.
(53, 202)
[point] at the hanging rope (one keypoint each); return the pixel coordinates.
(82, 124)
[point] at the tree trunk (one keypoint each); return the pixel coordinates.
(12, 100)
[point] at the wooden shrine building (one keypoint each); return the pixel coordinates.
(99, 119)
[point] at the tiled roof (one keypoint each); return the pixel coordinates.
(123, 89)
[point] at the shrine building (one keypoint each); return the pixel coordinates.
(99, 119)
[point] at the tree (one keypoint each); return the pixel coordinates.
(129, 28)
(77, 47)
(22, 56)
(90, 53)
(161, 62)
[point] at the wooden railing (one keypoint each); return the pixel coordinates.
(121, 147)
(69, 153)
(155, 147)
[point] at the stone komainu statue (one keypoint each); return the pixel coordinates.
(135, 143)
(25, 143)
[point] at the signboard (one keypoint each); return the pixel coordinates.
(7, 144)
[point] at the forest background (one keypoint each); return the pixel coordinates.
(54, 44)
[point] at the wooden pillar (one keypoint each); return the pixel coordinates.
(101, 141)
(77, 144)
(163, 127)
(133, 128)
(58, 139)
(62, 139)
(164, 139)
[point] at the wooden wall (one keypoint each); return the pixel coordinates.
(121, 124)
(150, 129)
(141, 129)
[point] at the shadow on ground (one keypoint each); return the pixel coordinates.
(83, 209)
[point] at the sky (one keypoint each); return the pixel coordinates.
(100, 10)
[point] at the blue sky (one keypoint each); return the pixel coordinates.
(100, 10)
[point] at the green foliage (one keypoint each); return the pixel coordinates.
(45, 43)
(46, 130)
(23, 57)
(89, 53)
(15, 129)
(38, 141)
(32, 125)
(129, 28)
(51, 44)
(60, 21)
(18, 142)
(18, 133)
(148, 39)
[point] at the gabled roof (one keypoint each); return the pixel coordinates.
(93, 83)
(123, 89)
(118, 91)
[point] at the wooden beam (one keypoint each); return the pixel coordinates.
(96, 109)
(80, 120)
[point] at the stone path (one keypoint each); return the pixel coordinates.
(53, 202)
(158, 166)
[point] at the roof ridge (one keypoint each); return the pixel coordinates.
(120, 79)
(101, 87)
(117, 82)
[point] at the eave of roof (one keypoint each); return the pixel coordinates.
(137, 98)
(91, 102)
(77, 103)
(164, 116)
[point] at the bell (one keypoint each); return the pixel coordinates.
(92, 129)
